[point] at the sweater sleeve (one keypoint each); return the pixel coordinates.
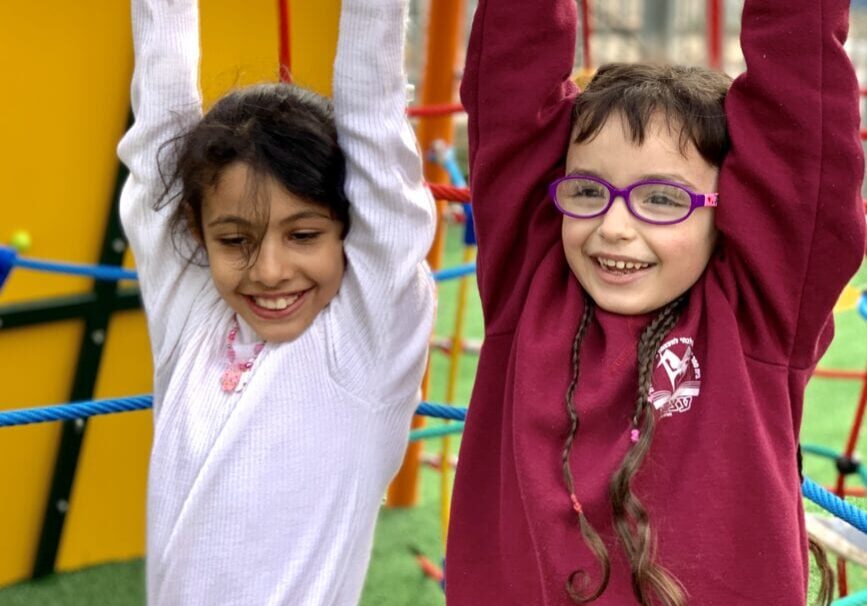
(165, 103)
(518, 96)
(386, 300)
(790, 207)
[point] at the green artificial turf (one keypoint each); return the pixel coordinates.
(394, 578)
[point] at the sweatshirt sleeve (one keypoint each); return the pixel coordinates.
(518, 96)
(790, 206)
(165, 103)
(386, 300)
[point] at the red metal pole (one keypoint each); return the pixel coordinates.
(829, 373)
(586, 33)
(853, 434)
(859, 417)
(715, 33)
(285, 41)
(841, 479)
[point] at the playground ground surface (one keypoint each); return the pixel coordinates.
(394, 578)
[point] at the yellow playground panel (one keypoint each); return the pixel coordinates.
(68, 67)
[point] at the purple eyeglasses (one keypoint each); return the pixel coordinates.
(652, 201)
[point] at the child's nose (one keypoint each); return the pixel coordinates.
(618, 223)
(272, 265)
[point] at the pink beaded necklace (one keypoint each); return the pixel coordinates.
(231, 379)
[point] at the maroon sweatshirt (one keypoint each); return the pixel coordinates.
(721, 481)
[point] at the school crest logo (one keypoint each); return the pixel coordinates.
(676, 378)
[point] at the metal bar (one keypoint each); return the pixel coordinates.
(715, 34)
(97, 318)
(60, 309)
(285, 41)
(586, 34)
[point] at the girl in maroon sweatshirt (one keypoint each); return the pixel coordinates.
(636, 412)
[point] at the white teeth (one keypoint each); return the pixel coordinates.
(277, 304)
(613, 264)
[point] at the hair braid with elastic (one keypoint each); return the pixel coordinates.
(577, 584)
(650, 581)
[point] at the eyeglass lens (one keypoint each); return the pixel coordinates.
(651, 201)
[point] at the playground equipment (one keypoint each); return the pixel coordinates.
(846, 543)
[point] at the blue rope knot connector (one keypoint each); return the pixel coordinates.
(7, 262)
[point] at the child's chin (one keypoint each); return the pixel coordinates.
(624, 304)
(280, 334)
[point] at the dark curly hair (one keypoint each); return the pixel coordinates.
(279, 131)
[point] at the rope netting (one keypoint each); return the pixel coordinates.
(83, 410)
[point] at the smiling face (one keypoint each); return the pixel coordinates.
(628, 266)
(298, 266)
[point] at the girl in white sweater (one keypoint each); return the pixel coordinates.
(288, 320)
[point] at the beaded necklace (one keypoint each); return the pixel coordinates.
(231, 379)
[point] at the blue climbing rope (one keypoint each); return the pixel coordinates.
(107, 273)
(9, 259)
(435, 432)
(442, 411)
(71, 412)
(451, 273)
(856, 599)
(83, 410)
(834, 504)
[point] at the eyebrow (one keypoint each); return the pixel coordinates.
(242, 222)
(649, 177)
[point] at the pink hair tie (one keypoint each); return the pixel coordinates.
(576, 504)
(634, 436)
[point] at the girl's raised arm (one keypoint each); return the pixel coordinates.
(387, 288)
(790, 204)
(517, 93)
(165, 102)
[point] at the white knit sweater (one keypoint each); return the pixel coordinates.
(270, 495)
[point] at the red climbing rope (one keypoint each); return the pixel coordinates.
(450, 193)
(444, 109)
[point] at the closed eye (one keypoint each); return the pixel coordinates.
(232, 242)
(304, 236)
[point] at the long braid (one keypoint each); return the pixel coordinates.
(631, 520)
(577, 584)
